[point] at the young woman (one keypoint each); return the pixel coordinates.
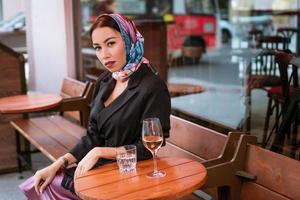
(124, 95)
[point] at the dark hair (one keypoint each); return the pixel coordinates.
(104, 21)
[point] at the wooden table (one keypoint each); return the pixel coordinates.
(31, 102)
(180, 89)
(106, 182)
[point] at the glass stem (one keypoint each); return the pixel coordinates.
(154, 162)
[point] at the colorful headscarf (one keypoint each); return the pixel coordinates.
(134, 46)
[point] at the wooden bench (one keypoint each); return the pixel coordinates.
(255, 173)
(55, 135)
(196, 142)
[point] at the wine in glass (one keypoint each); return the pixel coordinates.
(153, 139)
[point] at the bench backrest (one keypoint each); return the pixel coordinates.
(72, 88)
(194, 141)
(12, 72)
(255, 173)
(76, 101)
(278, 176)
(199, 143)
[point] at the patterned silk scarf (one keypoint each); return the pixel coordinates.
(134, 46)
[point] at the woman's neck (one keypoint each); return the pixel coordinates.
(118, 90)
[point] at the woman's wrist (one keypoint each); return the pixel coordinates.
(58, 164)
(65, 162)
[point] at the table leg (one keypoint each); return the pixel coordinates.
(18, 150)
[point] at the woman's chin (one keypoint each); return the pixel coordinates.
(113, 69)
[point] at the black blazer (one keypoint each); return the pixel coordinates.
(120, 123)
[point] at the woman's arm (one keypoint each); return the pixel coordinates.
(92, 157)
(44, 176)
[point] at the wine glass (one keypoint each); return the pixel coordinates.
(153, 139)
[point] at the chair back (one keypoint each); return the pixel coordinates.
(289, 32)
(273, 42)
(264, 64)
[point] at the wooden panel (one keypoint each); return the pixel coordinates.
(12, 82)
(155, 34)
(197, 139)
(252, 191)
(274, 171)
(70, 127)
(72, 88)
(12, 71)
(47, 145)
(57, 131)
(53, 135)
(173, 151)
(7, 141)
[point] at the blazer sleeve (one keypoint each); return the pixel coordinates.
(157, 104)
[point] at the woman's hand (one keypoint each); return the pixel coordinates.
(88, 161)
(43, 177)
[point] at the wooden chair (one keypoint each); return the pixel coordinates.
(273, 42)
(262, 72)
(12, 82)
(54, 135)
(289, 32)
(279, 96)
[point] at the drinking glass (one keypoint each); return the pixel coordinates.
(126, 158)
(153, 138)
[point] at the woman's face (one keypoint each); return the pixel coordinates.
(110, 48)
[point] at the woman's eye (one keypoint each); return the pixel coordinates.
(97, 48)
(110, 44)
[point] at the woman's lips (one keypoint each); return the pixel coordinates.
(109, 64)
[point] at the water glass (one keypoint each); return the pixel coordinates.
(126, 158)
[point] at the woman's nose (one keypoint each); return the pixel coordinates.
(105, 53)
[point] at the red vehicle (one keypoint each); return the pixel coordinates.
(195, 24)
(192, 22)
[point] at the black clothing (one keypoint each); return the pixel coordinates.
(120, 123)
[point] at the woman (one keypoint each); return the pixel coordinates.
(124, 95)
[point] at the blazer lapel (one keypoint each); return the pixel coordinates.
(130, 92)
(118, 103)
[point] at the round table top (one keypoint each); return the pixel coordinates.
(31, 102)
(183, 176)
